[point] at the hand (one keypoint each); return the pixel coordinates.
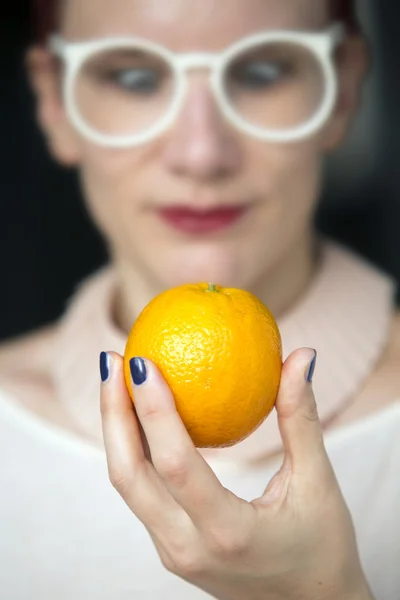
(295, 541)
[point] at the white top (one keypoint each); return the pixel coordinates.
(346, 314)
(66, 534)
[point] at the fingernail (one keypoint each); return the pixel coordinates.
(105, 366)
(138, 370)
(311, 369)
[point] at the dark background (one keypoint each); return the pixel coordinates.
(47, 243)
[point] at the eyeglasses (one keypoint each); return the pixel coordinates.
(278, 86)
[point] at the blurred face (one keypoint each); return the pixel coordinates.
(203, 200)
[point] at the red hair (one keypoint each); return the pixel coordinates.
(44, 18)
(345, 11)
(45, 15)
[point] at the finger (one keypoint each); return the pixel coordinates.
(120, 427)
(186, 474)
(298, 419)
(130, 472)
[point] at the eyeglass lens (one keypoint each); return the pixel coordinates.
(126, 91)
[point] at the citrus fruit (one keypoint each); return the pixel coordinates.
(220, 352)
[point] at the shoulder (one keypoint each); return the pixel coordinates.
(25, 373)
(385, 379)
(395, 337)
(382, 387)
(27, 356)
(391, 360)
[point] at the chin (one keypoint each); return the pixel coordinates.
(213, 264)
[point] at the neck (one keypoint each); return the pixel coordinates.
(279, 288)
(282, 286)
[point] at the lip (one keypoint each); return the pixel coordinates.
(196, 221)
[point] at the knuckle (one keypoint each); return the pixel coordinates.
(229, 545)
(187, 565)
(181, 559)
(107, 409)
(120, 480)
(150, 411)
(174, 469)
(311, 412)
(167, 562)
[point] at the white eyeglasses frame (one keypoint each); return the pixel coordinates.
(320, 44)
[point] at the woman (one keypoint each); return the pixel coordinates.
(219, 183)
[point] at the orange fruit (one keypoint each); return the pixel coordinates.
(220, 352)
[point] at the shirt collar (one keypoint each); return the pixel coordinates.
(345, 315)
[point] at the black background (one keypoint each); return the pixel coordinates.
(47, 243)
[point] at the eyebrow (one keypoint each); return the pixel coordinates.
(129, 52)
(122, 54)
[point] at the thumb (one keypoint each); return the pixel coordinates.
(298, 419)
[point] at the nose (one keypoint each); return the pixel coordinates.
(201, 144)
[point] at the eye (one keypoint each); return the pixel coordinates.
(141, 80)
(258, 74)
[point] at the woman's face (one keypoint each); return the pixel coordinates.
(203, 201)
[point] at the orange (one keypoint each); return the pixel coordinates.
(220, 352)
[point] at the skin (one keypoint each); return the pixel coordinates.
(201, 161)
(230, 548)
(204, 161)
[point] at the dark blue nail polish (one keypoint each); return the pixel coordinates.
(105, 363)
(138, 370)
(311, 370)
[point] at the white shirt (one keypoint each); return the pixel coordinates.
(65, 534)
